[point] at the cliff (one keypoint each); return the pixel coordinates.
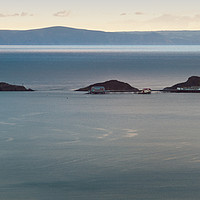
(112, 86)
(8, 87)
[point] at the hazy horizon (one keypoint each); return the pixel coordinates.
(128, 15)
(82, 28)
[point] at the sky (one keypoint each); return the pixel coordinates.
(104, 15)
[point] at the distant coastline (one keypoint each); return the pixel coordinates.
(70, 36)
(192, 85)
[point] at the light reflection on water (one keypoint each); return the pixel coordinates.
(99, 48)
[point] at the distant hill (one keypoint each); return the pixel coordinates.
(9, 87)
(112, 86)
(71, 36)
(193, 81)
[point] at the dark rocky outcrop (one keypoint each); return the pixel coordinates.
(112, 86)
(192, 82)
(8, 87)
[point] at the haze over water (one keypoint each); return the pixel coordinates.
(59, 144)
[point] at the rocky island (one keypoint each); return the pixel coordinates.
(9, 87)
(192, 85)
(112, 86)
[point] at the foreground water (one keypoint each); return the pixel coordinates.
(59, 144)
(74, 146)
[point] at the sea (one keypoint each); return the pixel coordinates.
(59, 144)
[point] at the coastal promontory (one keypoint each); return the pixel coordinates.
(8, 87)
(112, 86)
(192, 82)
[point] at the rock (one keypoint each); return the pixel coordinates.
(8, 87)
(193, 81)
(112, 86)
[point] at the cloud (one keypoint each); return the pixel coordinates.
(63, 13)
(139, 13)
(162, 22)
(8, 15)
(22, 14)
(136, 13)
(175, 22)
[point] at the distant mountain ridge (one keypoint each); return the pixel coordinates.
(70, 36)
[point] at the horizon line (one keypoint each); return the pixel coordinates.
(46, 27)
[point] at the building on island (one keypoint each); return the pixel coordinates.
(97, 90)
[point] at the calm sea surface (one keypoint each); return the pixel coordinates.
(57, 144)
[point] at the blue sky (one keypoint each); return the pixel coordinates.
(106, 15)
